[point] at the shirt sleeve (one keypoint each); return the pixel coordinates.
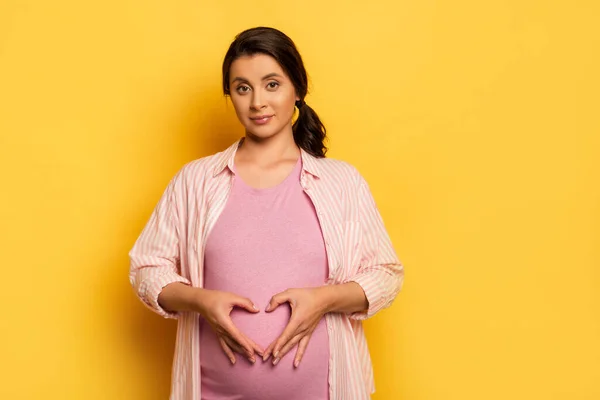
(380, 274)
(154, 258)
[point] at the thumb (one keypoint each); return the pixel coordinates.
(277, 300)
(245, 303)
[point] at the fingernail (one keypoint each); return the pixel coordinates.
(275, 354)
(296, 363)
(252, 360)
(275, 361)
(254, 305)
(265, 357)
(232, 360)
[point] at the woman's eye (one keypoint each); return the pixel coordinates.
(273, 85)
(243, 89)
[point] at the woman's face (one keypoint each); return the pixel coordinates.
(262, 94)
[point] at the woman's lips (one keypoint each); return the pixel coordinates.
(262, 119)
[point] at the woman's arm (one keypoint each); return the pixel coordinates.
(154, 258)
(344, 298)
(380, 273)
(179, 296)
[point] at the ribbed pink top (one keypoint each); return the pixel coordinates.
(265, 241)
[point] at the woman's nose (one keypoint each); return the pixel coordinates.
(257, 101)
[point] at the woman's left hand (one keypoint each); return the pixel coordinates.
(308, 307)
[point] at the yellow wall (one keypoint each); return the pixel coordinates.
(476, 124)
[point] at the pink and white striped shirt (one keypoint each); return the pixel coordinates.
(171, 249)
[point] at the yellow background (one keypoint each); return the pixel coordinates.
(476, 124)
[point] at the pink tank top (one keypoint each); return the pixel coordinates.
(265, 241)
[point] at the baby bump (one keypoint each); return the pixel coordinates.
(263, 380)
(262, 327)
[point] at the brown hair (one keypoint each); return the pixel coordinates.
(309, 131)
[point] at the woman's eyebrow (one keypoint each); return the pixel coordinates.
(271, 75)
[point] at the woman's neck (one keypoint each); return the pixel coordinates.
(269, 151)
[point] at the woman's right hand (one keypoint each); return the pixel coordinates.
(216, 306)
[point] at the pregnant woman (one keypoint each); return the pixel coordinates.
(269, 254)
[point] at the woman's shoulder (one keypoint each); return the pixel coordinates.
(201, 165)
(338, 170)
(198, 170)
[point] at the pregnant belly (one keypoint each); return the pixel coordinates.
(262, 380)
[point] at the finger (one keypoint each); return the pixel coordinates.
(289, 332)
(301, 349)
(234, 346)
(256, 347)
(238, 336)
(245, 303)
(227, 350)
(238, 349)
(278, 300)
(268, 351)
(287, 347)
(242, 350)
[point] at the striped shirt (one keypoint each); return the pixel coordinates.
(171, 249)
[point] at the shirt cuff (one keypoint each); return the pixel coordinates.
(373, 294)
(156, 286)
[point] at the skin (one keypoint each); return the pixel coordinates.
(259, 86)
